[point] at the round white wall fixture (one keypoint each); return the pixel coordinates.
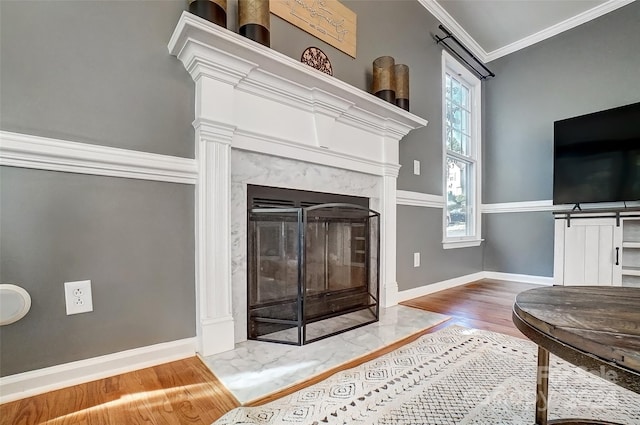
(15, 303)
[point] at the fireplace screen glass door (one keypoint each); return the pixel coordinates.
(313, 271)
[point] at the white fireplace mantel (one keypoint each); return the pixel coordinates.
(252, 98)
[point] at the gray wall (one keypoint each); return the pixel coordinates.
(420, 230)
(95, 72)
(99, 72)
(133, 239)
(512, 248)
(592, 67)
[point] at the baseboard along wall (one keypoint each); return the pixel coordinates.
(463, 280)
(52, 378)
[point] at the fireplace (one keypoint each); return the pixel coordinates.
(313, 264)
(266, 119)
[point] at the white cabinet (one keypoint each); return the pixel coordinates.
(597, 249)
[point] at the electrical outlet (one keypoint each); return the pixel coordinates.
(416, 259)
(416, 167)
(77, 296)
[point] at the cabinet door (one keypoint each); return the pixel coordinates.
(590, 252)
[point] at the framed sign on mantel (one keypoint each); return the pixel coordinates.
(328, 20)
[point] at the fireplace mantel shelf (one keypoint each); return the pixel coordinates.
(240, 61)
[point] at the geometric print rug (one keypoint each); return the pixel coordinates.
(454, 376)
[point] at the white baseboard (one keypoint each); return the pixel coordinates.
(525, 278)
(39, 381)
(438, 286)
(463, 280)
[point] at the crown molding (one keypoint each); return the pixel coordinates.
(574, 21)
(588, 15)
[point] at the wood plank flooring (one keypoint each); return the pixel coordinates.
(485, 304)
(181, 392)
(186, 392)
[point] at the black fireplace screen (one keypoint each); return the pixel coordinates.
(313, 271)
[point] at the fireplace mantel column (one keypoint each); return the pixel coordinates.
(389, 287)
(214, 134)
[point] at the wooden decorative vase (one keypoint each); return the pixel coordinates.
(212, 10)
(402, 86)
(254, 20)
(384, 80)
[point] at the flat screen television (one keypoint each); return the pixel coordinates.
(597, 157)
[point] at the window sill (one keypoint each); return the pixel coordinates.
(461, 244)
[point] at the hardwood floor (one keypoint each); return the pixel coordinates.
(485, 304)
(186, 392)
(181, 392)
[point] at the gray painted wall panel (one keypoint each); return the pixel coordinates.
(520, 243)
(133, 239)
(96, 72)
(421, 231)
(589, 68)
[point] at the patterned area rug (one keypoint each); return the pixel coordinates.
(454, 376)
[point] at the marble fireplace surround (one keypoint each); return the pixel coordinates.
(264, 118)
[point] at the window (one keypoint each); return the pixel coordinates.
(461, 154)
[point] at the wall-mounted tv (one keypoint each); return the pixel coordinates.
(597, 157)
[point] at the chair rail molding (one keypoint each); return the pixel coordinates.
(418, 199)
(512, 207)
(44, 153)
(547, 205)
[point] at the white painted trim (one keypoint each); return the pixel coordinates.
(464, 243)
(474, 195)
(524, 206)
(39, 381)
(547, 205)
(275, 146)
(456, 29)
(418, 199)
(525, 278)
(420, 291)
(409, 294)
(43, 153)
(556, 29)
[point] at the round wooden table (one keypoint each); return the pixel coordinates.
(594, 327)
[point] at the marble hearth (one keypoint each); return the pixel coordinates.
(263, 118)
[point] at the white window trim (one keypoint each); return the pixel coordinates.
(449, 62)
